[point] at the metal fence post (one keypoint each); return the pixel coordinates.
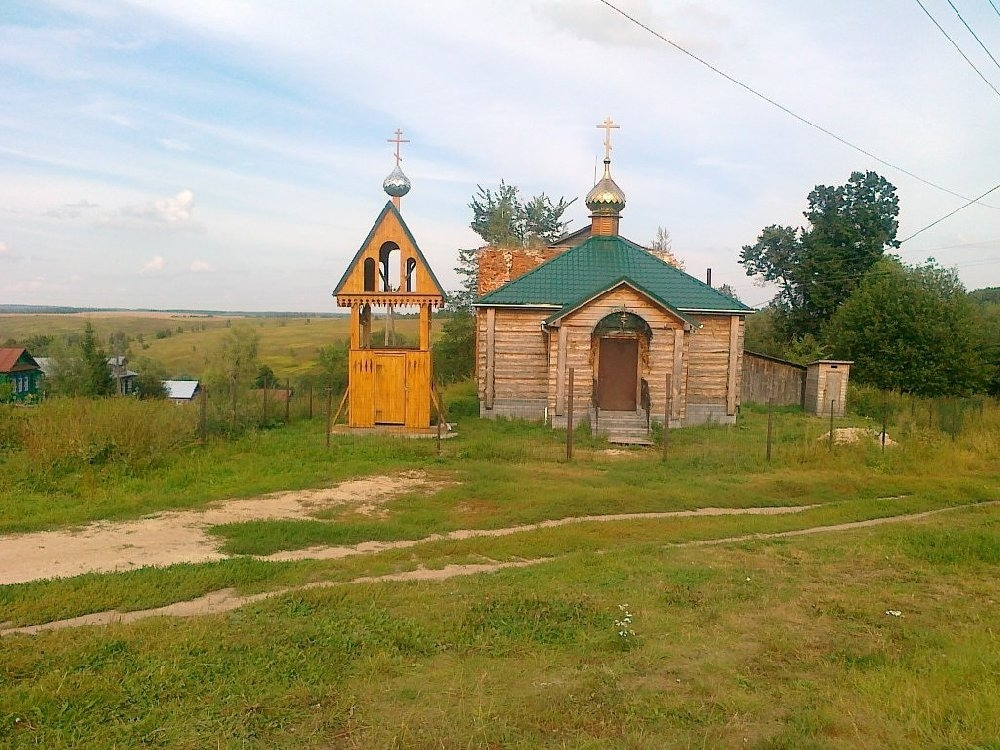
(569, 418)
(885, 416)
(203, 417)
(329, 415)
(666, 415)
(770, 425)
(833, 403)
(288, 397)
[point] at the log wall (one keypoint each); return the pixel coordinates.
(716, 361)
(518, 367)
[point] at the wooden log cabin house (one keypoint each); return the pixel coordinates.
(390, 386)
(623, 319)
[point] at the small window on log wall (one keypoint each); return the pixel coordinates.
(369, 274)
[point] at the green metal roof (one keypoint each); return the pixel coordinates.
(599, 264)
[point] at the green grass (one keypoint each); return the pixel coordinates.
(774, 643)
(768, 644)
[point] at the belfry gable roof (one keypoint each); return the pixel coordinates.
(389, 225)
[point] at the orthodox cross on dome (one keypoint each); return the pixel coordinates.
(607, 126)
(400, 139)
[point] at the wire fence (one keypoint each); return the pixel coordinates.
(762, 434)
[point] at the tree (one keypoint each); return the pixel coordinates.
(729, 292)
(265, 377)
(663, 248)
(149, 381)
(455, 352)
(912, 329)
(80, 367)
(332, 360)
(500, 217)
(233, 366)
(461, 299)
(817, 267)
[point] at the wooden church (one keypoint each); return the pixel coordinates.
(628, 324)
(389, 385)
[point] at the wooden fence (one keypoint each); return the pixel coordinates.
(765, 377)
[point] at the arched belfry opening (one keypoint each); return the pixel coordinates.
(389, 266)
(390, 385)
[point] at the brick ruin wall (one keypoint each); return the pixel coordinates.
(499, 265)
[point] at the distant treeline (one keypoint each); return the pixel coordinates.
(61, 310)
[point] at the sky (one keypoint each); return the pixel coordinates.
(213, 154)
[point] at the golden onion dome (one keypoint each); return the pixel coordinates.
(396, 184)
(606, 198)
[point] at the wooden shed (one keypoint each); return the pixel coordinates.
(826, 386)
(389, 384)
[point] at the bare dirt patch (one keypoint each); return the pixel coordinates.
(850, 435)
(181, 536)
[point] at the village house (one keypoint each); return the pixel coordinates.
(20, 370)
(181, 391)
(632, 329)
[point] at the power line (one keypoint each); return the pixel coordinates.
(959, 49)
(974, 35)
(949, 214)
(995, 7)
(782, 107)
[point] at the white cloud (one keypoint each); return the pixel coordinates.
(173, 144)
(71, 210)
(161, 213)
(199, 266)
(172, 211)
(154, 265)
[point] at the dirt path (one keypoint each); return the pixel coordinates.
(367, 548)
(226, 600)
(181, 536)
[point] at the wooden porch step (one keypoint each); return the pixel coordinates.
(630, 440)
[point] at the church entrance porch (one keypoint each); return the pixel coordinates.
(618, 374)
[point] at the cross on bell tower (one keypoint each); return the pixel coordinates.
(400, 139)
(397, 184)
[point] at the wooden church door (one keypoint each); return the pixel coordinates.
(618, 374)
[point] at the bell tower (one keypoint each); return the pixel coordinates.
(389, 385)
